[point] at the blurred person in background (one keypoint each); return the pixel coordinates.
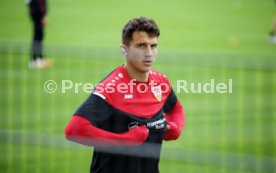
(272, 34)
(38, 15)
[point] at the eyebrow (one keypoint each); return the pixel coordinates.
(144, 43)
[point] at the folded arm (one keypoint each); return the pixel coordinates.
(175, 120)
(80, 130)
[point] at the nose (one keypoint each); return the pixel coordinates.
(148, 52)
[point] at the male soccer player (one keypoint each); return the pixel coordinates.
(131, 111)
(38, 14)
(272, 34)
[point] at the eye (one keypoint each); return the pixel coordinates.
(154, 46)
(141, 45)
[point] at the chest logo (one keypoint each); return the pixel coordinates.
(157, 92)
(128, 96)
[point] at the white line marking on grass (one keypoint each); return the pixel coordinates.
(194, 156)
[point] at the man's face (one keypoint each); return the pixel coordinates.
(141, 51)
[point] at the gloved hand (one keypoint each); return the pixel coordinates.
(136, 135)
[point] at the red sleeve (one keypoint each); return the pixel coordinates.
(175, 119)
(80, 130)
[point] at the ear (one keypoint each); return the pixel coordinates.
(123, 49)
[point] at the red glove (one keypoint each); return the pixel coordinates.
(136, 135)
(80, 130)
(175, 120)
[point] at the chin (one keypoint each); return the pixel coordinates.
(146, 70)
(143, 70)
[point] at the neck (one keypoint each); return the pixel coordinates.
(136, 74)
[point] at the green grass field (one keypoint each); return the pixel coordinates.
(200, 40)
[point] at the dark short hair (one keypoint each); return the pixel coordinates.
(139, 24)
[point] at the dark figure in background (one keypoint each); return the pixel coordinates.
(272, 34)
(38, 14)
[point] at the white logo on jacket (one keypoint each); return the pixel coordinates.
(128, 96)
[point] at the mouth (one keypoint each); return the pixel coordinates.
(147, 62)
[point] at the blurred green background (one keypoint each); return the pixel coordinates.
(200, 40)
